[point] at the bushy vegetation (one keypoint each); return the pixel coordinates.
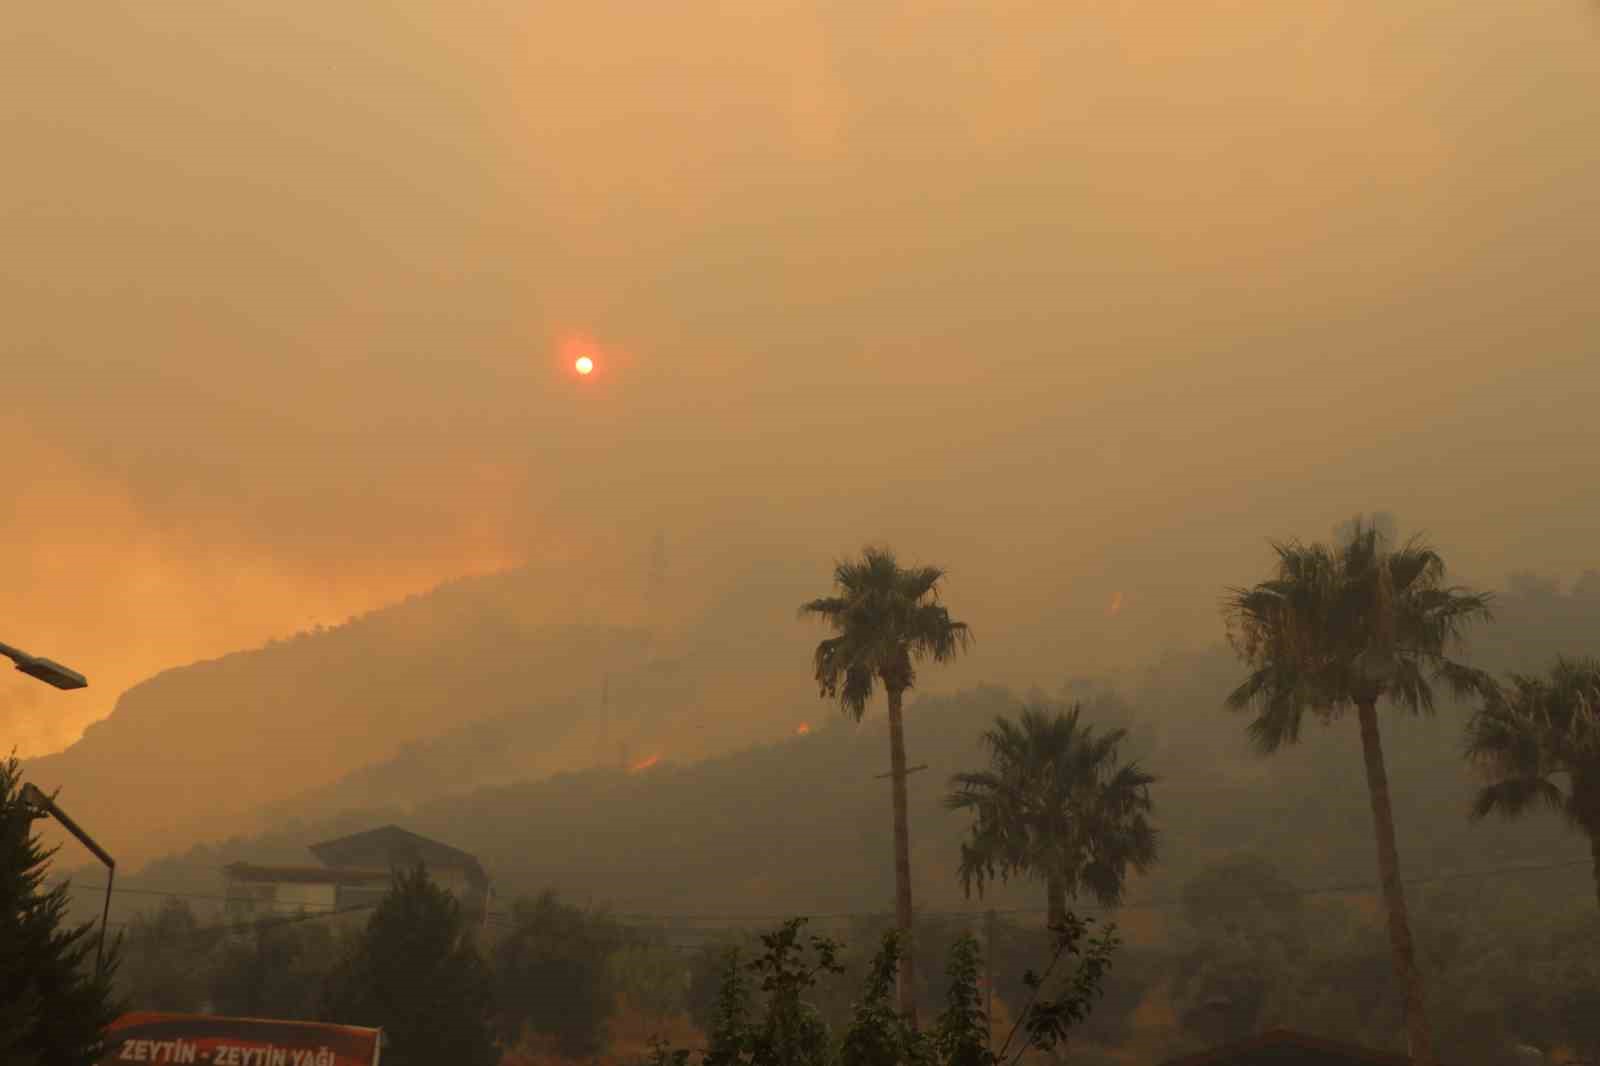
(415, 971)
(556, 974)
(1247, 948)
(1253, 951)
(561, 970)
(778, 1022)
(559, 973)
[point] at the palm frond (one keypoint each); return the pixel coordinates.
(1529, 731)
(920, 582)
(832, 608)
(1515, 796)
(856, 690)
(886, 618)
(1278, 708)
(932, 634)
(1055, 803)
(1336, 626)
(1463, 681)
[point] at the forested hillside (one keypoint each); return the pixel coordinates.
(802, 824)
(487, 679)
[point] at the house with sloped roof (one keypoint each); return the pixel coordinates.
(354, 871)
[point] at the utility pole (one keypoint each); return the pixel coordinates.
(909, 771)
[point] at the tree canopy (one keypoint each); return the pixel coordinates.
(1339, 626)
(54, 1006)
(1055, 804)
(1535, 731)
(416, 973)
(887, 618)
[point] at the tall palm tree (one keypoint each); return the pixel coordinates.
(1538, 729)
(1055, 805)
(887, 619)
(1345, 626)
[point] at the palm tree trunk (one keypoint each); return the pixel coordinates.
(1419, 1038)
(1056, 904)
(902, 858)
(1594, 854)
(1055, 892)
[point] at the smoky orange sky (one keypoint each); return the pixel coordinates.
(1082, 300)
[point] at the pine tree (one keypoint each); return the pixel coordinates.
(415, 972)
(54, 1009)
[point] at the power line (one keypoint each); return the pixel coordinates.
(258, 924)
(496, 917)
(1154, 904)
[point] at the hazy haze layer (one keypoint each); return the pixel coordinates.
(1079, 300)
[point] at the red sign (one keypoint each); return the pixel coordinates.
(209, 1041)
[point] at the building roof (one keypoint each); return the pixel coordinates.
(304, 875)
(1283, 1047)
(391, 846)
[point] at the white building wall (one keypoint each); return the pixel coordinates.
(292, 897)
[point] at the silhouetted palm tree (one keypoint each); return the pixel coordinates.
(1538, 729)
(887, 619)
(1341, 627)
(1055, 805)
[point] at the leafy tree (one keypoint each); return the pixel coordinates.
(415, 972)
(790, 1031)
(1244, 938)
(877, 1035)
(648, 975)
(1511, 972)
(54, 1008)
(1055, 804)
(709, 969)
(730, 1027)
(937, 935)
(887, 618)
(166, 960)
(1244, 894)
(551, 973)
(1345, 626)
(269, 968)
(1539, 729)
(1047, 1022)
(961, 1036)
(275, 968)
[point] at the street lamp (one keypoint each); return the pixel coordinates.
(46, 670)
(33, 797)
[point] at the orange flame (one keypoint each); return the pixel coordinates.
(645, 763)
(1115, 607)
(802, 729)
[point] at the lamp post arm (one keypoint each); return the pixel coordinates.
(35, 796)
(105, 918)
(47, 670)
